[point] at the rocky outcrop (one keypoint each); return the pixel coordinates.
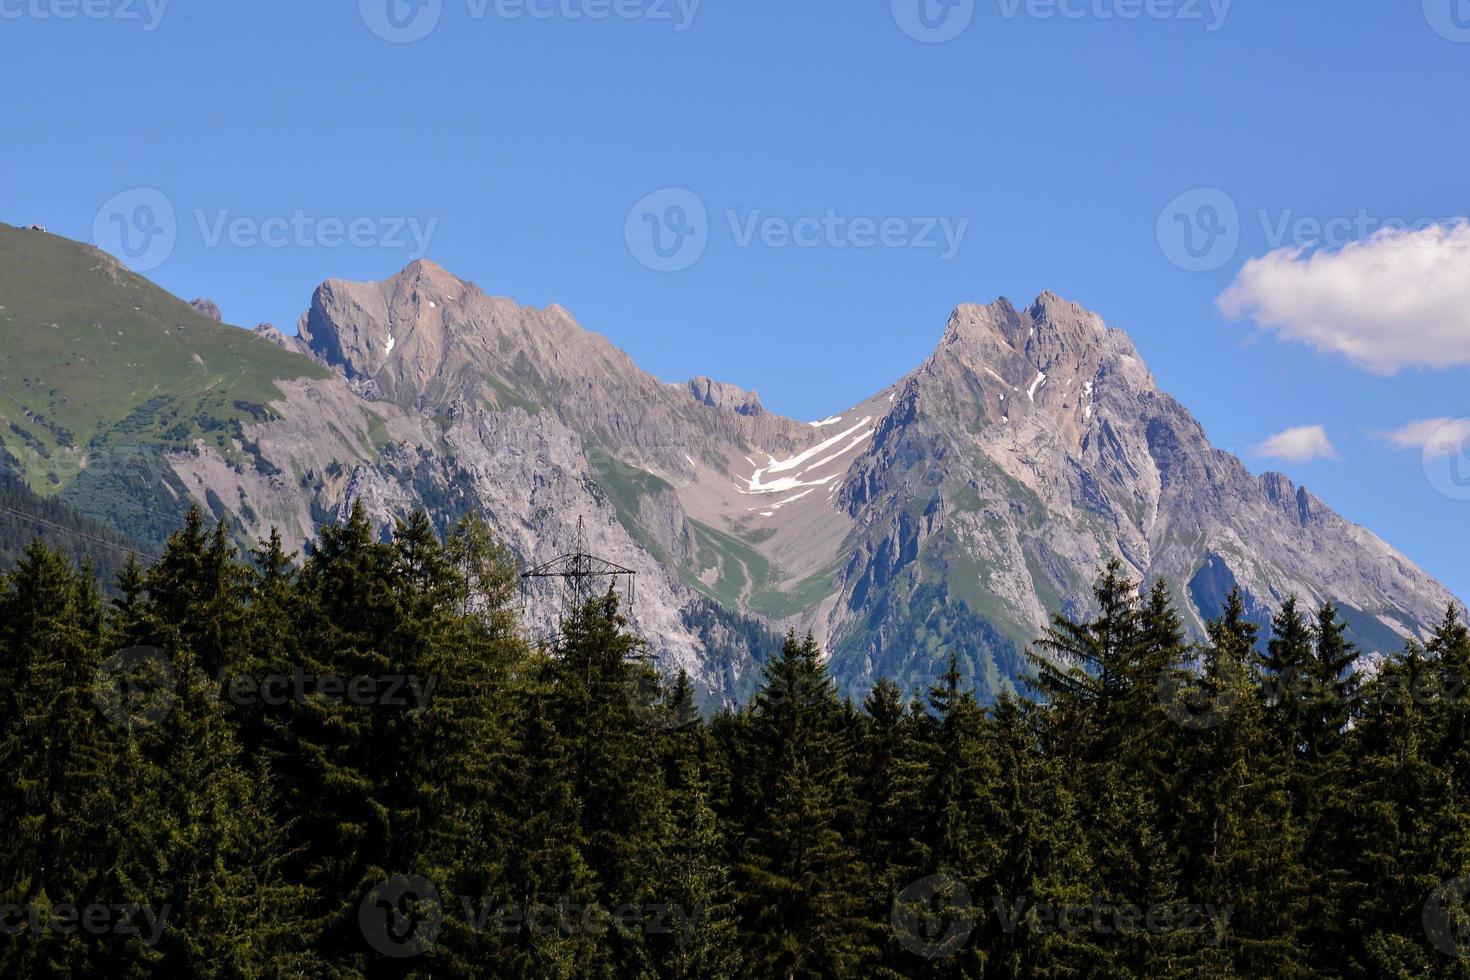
(269, 332)
(726, 397)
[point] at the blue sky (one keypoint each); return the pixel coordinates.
(1051, 147)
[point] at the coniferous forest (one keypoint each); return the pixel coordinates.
(353, 764)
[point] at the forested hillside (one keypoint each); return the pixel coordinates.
(355, 766)
(25, 516)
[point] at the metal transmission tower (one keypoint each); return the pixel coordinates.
(578, 577)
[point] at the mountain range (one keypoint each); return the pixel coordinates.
(953, 512)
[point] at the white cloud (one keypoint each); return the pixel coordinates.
(1299, 445)
(1436, 437)
(1399, 299)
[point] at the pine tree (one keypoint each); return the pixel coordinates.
(342, 767)
(1333, 686)
(53, 749)
(1409, 831)
(1102, 679)
(1286, 670)
(1444, 690)
(951, 836)
(1240, 840)
(1041, 865)
(624, 808)
(201, 840)
(697, 881)
(798, 874)
(892, 772)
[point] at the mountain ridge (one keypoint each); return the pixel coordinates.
(952, 511)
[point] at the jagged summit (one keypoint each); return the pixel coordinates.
(1048, 317)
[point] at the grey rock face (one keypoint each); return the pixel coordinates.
(956, 510)
(207, 307)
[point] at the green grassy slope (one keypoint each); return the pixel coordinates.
(95, 359)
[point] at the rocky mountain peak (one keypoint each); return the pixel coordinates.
(1054, 359)
(1050, 335)
(428, 279)
(718, 394)
(358, 327)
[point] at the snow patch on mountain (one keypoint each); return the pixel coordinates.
(1040, 380)
(758, 482)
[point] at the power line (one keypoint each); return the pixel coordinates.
(83, 535)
